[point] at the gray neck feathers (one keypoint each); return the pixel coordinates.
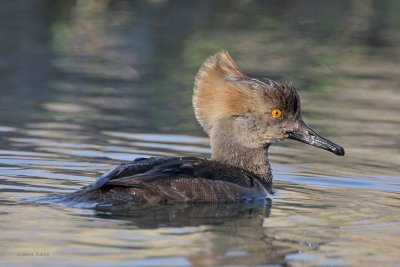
(226, 149)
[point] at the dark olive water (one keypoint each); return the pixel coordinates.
(86, 85)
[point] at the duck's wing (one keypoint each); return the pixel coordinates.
(142, 172)
(170, 179)
(129, 169)
(183, 179)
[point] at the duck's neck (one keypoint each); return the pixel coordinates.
(228, 151)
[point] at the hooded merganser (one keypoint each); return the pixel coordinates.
(243, 117)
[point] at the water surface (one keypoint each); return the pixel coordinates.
(86, 85)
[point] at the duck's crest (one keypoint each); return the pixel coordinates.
(219, 91)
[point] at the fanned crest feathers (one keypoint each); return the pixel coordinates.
(216, 92)
(222, 90)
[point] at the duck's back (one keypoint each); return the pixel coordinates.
(171, 179)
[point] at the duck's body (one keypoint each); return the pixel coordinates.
(173, 179)
(243, 117)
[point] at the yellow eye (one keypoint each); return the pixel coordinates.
(276, 113)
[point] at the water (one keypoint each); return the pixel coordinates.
(86, 85)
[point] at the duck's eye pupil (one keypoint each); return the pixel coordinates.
(276, 113)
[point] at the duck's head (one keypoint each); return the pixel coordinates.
(253, 113)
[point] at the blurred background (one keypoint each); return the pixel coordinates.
(87, 84)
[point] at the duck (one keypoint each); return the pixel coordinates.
(243, 117)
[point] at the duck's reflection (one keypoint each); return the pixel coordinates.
(224, 234)
(183, 215)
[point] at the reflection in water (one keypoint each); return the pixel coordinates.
(187, 215)
(88, 84)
